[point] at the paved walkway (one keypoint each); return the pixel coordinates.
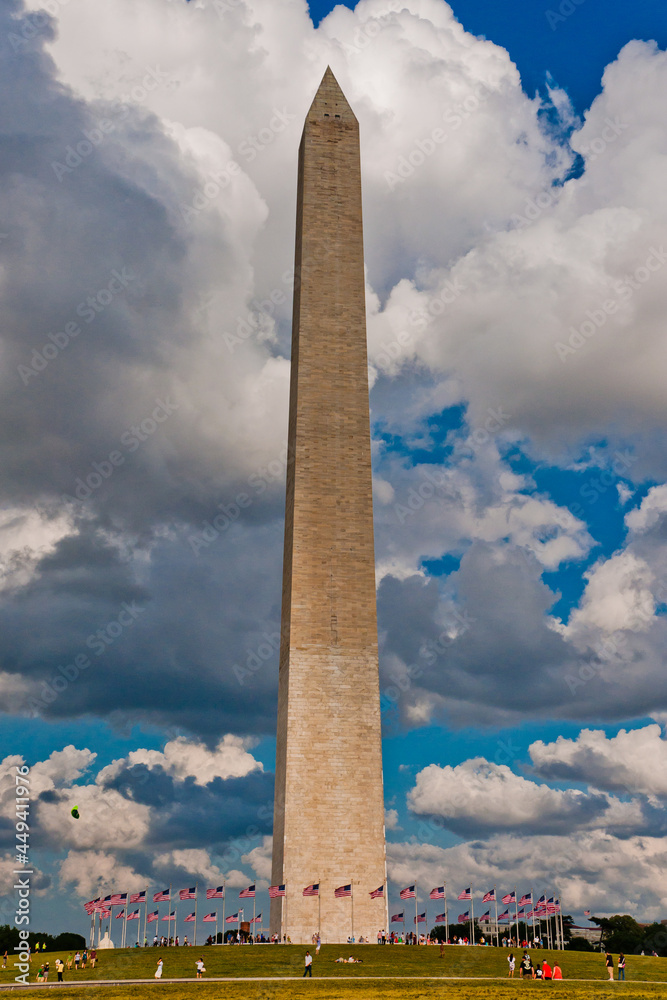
(291, 979)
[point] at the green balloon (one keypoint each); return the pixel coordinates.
(75, 812)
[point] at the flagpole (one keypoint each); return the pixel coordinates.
(472, 913)
(283, 922)
(444, 889)
(516, 913)
(416, 899)
(253, 914)
(196, 900)
(532, 907)
(352, 907)
(319, 906)
(562, 935)
(386, 903)
(224, 900)
(495, 899)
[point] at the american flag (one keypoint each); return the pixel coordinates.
(257, 919)
(162, 897)
(485, 916)
(190, 918)
(210, 918)
(408, 892)
(463, 917)
(188, 893)
(312, 890)
(248, 893)
(540, 911)
(504, 916)
(276, 890)
(377, 893)
(551, 906)
(91, 906)
(343, 891)
(587, 913)
(420, 918)
(530, 913)
(134, 915)
(233, 919)
(120, 914)
(466, 894)
(217, 893)
(526, 898)
(116, 899)
(152, 916)
(490, 896)
(104, 913)
(397, 918)
(138, 897)
(542, 900)
(170, 916)
(437, 893)
(440, 918)
(509, 897)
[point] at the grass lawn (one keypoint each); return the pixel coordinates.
(287, 961)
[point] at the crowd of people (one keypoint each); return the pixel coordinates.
(528, 970)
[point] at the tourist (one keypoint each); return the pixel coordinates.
(155, 941)
(84, 959)
(200, 968)
(609, 962)
(308, 970)
(4, 960)
(77, 959)
(511, 963)
(60, 965)
(69, 961)
(158, 971)
(176, 942)
(621, 967)
(46, 972)
(526, 967)
(546, 970)
(93, 958)
(557, 972)
(319, 945)
(40, 974)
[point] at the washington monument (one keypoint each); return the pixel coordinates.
(329, 811)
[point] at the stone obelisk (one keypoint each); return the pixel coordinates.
(329, 809)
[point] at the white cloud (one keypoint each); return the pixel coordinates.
(184, 758)
(479, 795)
(634, 760)
(649, 512)
(618, 595)
(391, 819)
(260, 859)
(193, 861)
(91, 873)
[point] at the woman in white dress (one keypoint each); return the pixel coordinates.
(158, 971)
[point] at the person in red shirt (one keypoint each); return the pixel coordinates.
(557, 973)
(546, 970)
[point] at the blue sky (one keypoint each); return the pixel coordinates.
(514, 235)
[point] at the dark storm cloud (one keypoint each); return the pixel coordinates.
(189, 815)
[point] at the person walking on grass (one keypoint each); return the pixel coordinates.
(200, 968)
(158, 971)
(609, 962)
(60, 965)
(621, 968)
(511, 962)
(308, 970)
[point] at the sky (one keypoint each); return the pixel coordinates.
(515, 239)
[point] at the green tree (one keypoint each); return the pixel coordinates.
(620, 933)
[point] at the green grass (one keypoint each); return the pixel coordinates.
(277, 961)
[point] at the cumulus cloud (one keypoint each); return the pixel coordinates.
(478, 796)
(633, 760)
(594, 870)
